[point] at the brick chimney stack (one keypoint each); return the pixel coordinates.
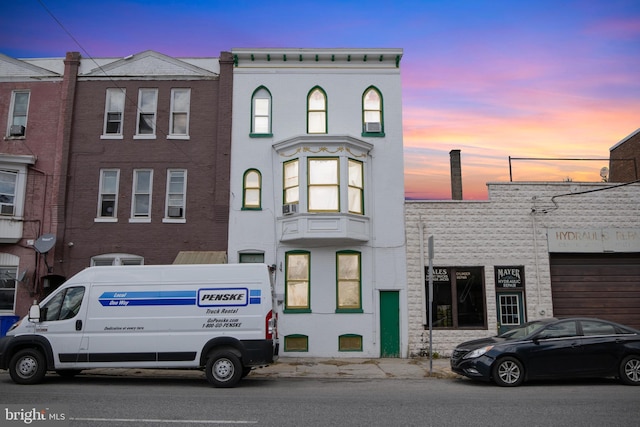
(456, 175)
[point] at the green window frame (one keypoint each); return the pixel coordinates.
(348, 282)
(323, 184)
(297, 288)
(317, 111)
(296, 342)
(291, 182)
(356, 187)
(350, 342)
(252, 190)
(261, 113)
(372, 113)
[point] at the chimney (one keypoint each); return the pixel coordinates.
(456, 175)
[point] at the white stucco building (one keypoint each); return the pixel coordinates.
(317, 190)
(531, 250)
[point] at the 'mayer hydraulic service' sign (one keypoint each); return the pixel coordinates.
(205, 297)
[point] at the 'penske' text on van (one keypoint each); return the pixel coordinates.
(231, 297)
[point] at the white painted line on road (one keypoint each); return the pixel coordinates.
(142, 420)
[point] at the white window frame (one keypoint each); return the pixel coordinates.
(17, 165)
(113, 106)
(175, 111)
(12, 114)
(152, 111)
(102, 194)
(137, 192)
(171, 196)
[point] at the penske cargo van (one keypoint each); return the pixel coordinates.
(219, 318)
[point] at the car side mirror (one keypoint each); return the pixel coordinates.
(34, 313)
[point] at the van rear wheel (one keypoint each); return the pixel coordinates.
(224, 369)
(28, 366)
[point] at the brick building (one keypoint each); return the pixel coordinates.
(148, 162)
(624, 159)
(35, 118)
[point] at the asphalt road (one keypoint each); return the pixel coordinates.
(143, 401)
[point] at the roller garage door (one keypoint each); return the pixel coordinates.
(597, 285)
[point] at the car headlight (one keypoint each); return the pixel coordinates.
(15, 325)
(477, 352)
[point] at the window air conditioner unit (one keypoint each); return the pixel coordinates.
(6, 210)
(16, 130)
(373, 127)
(289, 209)
(175, 212)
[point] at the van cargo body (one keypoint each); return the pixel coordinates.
(219, 318)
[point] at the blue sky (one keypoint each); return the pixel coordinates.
(543, 78)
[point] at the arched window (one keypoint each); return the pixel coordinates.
(252, 190)
(317, 111)
(261, 113)
(372, 112)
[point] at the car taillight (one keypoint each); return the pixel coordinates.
(270, 326)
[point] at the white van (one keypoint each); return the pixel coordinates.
(219, 318)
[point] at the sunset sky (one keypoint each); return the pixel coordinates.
(492, 78)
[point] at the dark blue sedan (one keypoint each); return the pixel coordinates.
(553, 348)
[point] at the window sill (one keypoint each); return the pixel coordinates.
(174, 220)
(251, 209)
(373, 134)
(140, 220)
(14, 138)
(144, 137)
(105, 220)
(110, 136)
(260, 135)
(180, 137)
(296, 310)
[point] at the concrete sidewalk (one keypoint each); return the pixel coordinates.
(314, 367)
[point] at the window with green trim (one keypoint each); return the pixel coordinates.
(350, 342)
(297, 286)
(372, 111)
(261, 113)
(349, 289)
(296, 343)
(252, 190)
(324, 184)
(291, 182)
(356, 187)
(317, 111)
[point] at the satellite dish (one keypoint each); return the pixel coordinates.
(44, 243)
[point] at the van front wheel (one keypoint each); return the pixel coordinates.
(28, 366)
(224, 369)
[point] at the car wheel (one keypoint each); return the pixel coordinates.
(630, 370)
(28, 366)
(224, 369)
(508, 372)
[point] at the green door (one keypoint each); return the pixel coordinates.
(389, 324)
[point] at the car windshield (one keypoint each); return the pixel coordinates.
(522, 331)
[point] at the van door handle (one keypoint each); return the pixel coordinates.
(78, 325)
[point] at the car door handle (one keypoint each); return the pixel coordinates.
(575, 344)
(78, 325)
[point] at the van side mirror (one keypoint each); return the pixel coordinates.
(34, 313)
